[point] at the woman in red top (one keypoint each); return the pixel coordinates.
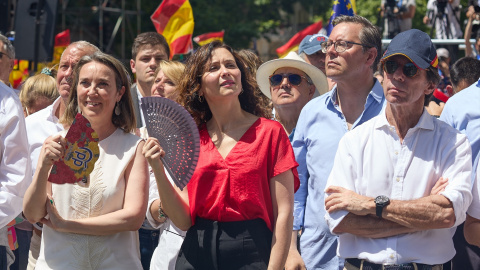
(238, 206)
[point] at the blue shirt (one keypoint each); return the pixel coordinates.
(462, 111)
(320, 127)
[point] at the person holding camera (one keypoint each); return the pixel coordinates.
(442, 16)
(473, 14)
(397, 16)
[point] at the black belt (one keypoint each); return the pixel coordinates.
(404, 266)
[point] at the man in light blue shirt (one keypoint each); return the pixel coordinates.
(352, 53)
(462, 111)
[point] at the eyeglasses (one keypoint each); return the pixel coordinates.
(409, 69)
(294, 79)
(2, 54)
(340, 45)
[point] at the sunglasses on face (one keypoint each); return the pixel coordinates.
(409, 69)
(294, 79)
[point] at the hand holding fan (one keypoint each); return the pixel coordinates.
(178, 135)
(81, 153)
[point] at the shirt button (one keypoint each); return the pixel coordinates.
(398, 179)
(391, 256)
(396, 152)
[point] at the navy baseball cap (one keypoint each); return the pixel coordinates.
(416, 46)
(312, 44)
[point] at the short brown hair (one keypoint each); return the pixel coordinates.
(149, 38)
(126, 120)
(250, 99)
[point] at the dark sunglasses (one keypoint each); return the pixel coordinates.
(409, 69)
(294, 79)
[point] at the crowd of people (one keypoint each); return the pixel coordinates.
(337, 156)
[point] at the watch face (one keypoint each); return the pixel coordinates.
(382, 199)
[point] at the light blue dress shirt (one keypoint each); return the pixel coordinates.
(320, 127)
(462, 111)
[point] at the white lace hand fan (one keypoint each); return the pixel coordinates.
(178, 135)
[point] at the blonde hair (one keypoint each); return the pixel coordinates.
(172, 69)
(35, 87)
(126, 120)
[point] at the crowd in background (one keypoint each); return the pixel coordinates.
(339, 156)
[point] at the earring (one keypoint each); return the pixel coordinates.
(200, 98)
(117, 109)
(241, 92)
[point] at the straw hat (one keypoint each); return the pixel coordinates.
(291, 60)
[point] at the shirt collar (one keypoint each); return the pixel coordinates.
(425, 121)
(376, 93)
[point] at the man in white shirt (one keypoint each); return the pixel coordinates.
(7, 57)
(387, 195)
(148, 50)
(15, 170)
(44, 123)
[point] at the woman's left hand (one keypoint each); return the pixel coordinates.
(54, 221)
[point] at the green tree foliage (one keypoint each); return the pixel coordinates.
(242, 20)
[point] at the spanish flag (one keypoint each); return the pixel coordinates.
(62, 40)
(174, 20)
(209, 37)
(294, 42)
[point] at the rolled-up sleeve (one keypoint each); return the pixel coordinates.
(458, 169)
(15, 165)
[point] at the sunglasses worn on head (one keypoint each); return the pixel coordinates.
(294, 79)
(409, 69)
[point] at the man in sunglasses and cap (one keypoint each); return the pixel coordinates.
(401, 183)
(290, 82)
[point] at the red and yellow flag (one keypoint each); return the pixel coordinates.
(294, 42)
(62, 40)
(209, 37)
(174, 20)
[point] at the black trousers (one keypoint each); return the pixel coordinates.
(226, 245)
(3, 258)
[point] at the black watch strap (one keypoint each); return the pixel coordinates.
(379, 210)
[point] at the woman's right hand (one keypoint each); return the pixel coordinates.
(152, 152)
(53, 149)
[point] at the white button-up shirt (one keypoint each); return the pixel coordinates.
(15, 170)
(40, 126)
(372, 161)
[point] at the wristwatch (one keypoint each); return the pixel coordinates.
(381, 201)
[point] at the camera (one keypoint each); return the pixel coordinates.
(441, 5)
